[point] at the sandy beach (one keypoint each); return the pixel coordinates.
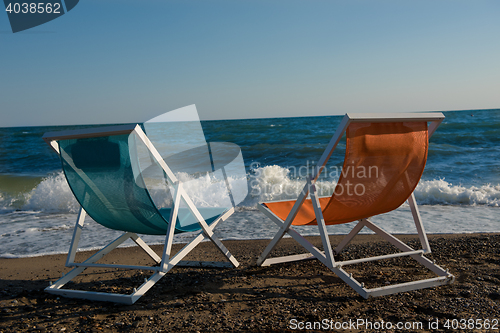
(279, 298)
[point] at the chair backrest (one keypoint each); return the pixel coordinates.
(100, 174)
(383, 164)
(384, 160)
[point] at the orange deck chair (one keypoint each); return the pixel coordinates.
(384, 160)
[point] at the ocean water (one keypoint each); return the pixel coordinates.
(459, 191)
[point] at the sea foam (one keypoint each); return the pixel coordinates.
(268, 183)
(52, 195)
(274, 182)
(441, 192)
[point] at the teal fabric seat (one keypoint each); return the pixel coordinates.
(99, 172)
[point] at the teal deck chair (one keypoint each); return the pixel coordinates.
(101, 166)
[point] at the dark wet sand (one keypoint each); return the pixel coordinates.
(260, 299)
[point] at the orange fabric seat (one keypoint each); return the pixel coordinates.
(382, 166)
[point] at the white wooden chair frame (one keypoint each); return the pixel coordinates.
(167, 261)
(327, 256)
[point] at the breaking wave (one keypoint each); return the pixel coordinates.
(267, 183)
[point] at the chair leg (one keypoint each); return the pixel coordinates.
(314, 252)
(146, 248)
(444, 277)
(208, 230)
(347, 239)
(403, 247)
(56, 288)
(176, 260)
(320, 221)
(270, 246)
(166, 263)
(284, 225)
(418, 223)
(262, 261)
(80, 220)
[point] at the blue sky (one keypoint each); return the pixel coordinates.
(111, 61)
